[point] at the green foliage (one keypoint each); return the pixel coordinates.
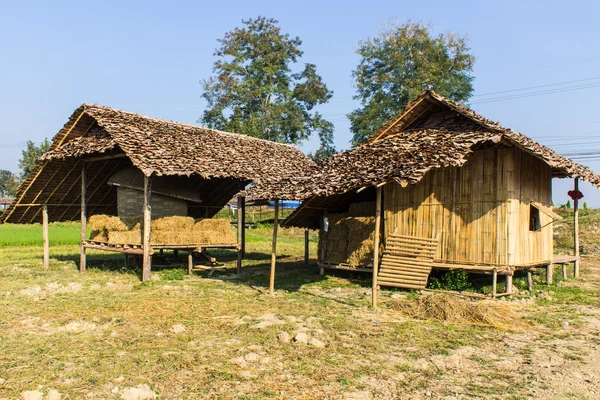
(400, 63)
(8, 184)
(31, 155)
(585, 206)
(568, 204)
(255, 92)
(174, 274)
(457, 279)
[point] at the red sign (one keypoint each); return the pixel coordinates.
(573, 193)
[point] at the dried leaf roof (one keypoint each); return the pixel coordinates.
(433, 132)
(162, 147)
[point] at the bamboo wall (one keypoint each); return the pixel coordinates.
(480, 211)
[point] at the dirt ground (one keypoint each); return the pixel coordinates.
(105, 335)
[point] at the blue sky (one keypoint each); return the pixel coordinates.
(148, 57)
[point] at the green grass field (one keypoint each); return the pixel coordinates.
(60, 233)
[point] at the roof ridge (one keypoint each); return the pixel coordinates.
(240, 135)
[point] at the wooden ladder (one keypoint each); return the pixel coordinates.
(407, 261)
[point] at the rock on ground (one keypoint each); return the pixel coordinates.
(177, 328)
(284, 337)
(301, 337)
(33, 395)
(53, 395)
(139, 392)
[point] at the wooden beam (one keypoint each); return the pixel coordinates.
(376, 250)
(105, 157)
(240, 233)
(147, 211)
(45, 234)
(576, 227)
(323, 239)
(306, 247)
(82, 255)
(274, 248)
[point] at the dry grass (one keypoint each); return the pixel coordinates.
(214, 231)
(173, 224)
(448, 308)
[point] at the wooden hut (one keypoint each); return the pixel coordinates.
(113, 162)
(438, 186)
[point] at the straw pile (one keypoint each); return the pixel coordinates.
(337, 239)
(450, 309)
(175, 230)
(361, 240)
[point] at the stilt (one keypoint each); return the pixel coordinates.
(190, 263)
(176, 254)
(82, 255)
(509, 284)
(161, 252)
(564, 271)
(243, 212)
(45, 234)
(494, 283)
(550, 274)
(147, 257)
(376, 250)
(529, 280)
(576, 227)
(274, 248)
(240, 233)
(323, 240)
(306, 250)
(126, 260)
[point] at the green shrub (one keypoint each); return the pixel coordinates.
(456, 279)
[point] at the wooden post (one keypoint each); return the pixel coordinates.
(274, 248)
(147, 257)
(509, 283)
(576, 227)
(243, 211)
(240, 233)
(323, 239)
(45, 235)
(190, 263)
(306, 250)
(549, 274)
(564, 271)
(529, 280)
(376, 250)
(82, 255)
(494, 283)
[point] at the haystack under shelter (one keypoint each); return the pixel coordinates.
(438, 186)
(117, 163)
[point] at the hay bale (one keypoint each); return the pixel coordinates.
(450, 309)
(361, 241)
(364, 209)
(214, 231)
(99, 236)
(97, 223)
(337, 239)
(174, 223)
(125, 237)
(173, 237)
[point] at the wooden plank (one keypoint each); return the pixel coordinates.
(82, 255)
(546, 210)
(376, 249)
(45, 236)
(147, 212)
(113, 249)
(274, 249)
(403, 285)
(576, 227)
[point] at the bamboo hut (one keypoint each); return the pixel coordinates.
(438, 186)
(116, 163)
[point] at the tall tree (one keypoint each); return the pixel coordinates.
(30, 156)
(401, 62)
(8, 183)
(254, 91)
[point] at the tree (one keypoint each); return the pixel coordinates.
(8, 183)
(30, 156)
(401, 62)
(254, 91)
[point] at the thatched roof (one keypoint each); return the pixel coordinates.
(433, 132)
(218, 164)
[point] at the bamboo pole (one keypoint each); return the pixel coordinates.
(549, 274)
(240, 233)
(82, 255)
(494, 282)
(45, 235)
(190, 263)
(274, 248)
(509, 284)
(147, 209)
(529, 280)
(323, 239)
(576, 227)
(376, 250)
(306, 249)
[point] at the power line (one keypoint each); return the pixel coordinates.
(537, 87)
(538, 93)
